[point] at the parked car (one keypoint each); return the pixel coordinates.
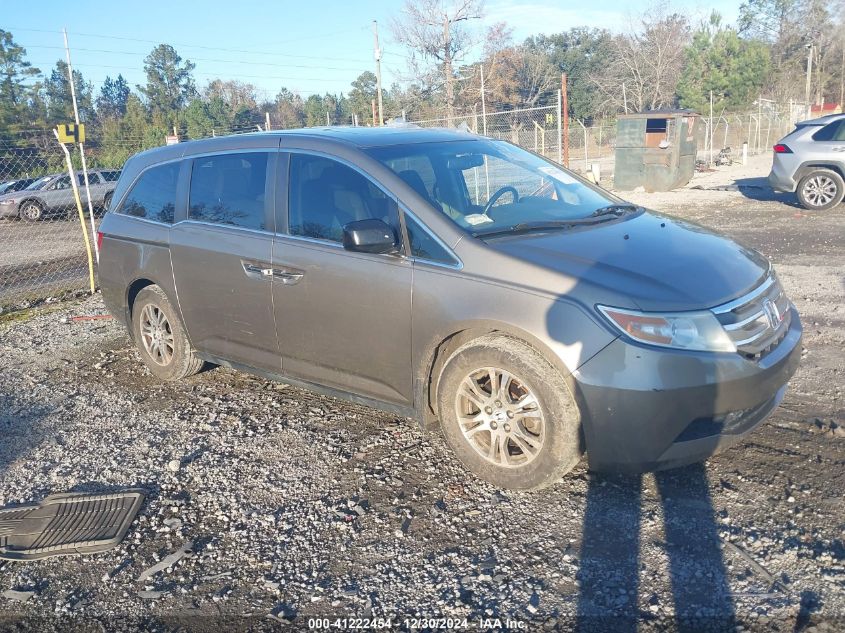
(51, 195)
(810, 161)
(15, 185)
(444, 276)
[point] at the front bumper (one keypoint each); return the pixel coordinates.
(648, 409)
(8, 210)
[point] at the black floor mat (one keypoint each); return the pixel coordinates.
(67, 524)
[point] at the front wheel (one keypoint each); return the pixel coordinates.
(508, 414)
(821, 189)
(160, 338)
(31, 211)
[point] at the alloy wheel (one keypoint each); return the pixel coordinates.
(157, 335)
(31, 212)
(500, 417)
(819, 190)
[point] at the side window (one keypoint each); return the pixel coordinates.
(831, 132)
(154, 194)
(325, 195)
(423, 245)
(229, 189)
(61, 183)
(93, 178)
(110, 176)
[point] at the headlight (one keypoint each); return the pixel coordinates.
(681, 330)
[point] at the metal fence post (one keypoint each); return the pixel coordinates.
(559, 132)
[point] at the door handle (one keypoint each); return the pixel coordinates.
(288, 277)
(253, 269)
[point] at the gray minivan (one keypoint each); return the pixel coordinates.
(450, 278)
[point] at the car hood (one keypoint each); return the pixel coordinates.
(655, 262)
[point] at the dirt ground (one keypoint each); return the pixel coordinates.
(295, 506)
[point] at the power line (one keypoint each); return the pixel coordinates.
(216, 48)
(203, 59)
(204, 74)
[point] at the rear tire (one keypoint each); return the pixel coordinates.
(508, 414)
(107, 202)
(160, 338)
(31, 211)
(821, 189)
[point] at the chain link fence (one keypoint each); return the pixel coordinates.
(42, 248)
(538, 129)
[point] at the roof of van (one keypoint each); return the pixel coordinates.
(380, 136)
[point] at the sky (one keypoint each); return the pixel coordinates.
(314, 46)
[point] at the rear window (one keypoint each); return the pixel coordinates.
(153, 196)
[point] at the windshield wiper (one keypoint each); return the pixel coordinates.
(614, 209)
(527, 227)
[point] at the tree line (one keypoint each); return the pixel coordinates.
(661, 60)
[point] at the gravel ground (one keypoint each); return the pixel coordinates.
(293, 505)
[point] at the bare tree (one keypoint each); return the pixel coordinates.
(434, 30)
(236, 94)
(646, 63)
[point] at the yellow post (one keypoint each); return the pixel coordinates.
(73, 185)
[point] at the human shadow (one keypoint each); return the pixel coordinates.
(611, 564)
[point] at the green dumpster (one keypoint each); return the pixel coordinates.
(655, 150)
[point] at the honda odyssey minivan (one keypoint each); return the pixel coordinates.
(454, 279)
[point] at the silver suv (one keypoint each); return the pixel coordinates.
(445, 276)
(810, 161)
(53, 195)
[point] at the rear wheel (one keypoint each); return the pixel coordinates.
(31, 211)
(508, 414)
(160, 338)
(821, 189)
(107, 202)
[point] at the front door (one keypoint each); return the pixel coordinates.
(343, 318)
(222, 257)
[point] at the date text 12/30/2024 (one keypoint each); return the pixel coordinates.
(417, 624)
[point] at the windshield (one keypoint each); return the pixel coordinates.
(38, 183)
(489, 186)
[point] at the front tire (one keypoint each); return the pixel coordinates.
(160, 338)
(508, 414)
(820, 190)
(31, 211)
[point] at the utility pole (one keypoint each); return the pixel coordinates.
(807, 86)
(447, 69)
(81, 146)
(266, 121)
(374, 112)
(377, 52)
(565, 115)
(483, 102)
(842, 79)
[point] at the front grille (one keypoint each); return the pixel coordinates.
(758, 321)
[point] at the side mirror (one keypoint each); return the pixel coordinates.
(370, 236)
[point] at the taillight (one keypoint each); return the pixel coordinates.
(99, 241)
(780, 148)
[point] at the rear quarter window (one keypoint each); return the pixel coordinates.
(831, 132)
(153, 196)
